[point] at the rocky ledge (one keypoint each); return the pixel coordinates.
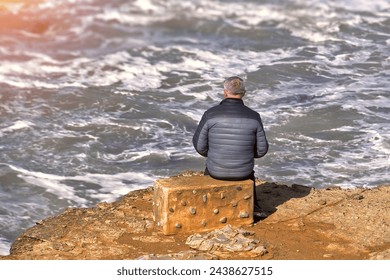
(303, 223)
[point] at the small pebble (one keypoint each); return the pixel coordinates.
(322, 202)
(244, 214)
(192, 210)
(358, 197)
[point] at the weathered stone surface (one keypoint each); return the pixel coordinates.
(384, 255)
(344, 210)
(185, 255)
(200, 203)
(227, 239)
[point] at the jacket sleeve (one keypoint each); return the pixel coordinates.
(200, 138)
(261, 147)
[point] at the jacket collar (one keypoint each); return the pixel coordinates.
(232, 101)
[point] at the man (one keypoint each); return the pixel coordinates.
(231, 136)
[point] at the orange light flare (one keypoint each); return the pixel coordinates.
(6, 5)
(11, 15)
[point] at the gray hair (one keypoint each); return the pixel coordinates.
(235, 85)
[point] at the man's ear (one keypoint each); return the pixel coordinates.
(225, 94)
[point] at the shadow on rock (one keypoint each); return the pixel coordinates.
(271, 195)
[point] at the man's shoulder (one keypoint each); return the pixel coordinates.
(214, 108)
(250, 110)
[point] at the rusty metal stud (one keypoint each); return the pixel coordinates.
(178, 225)
(203, 223)
(171, 210)
(216, 211)
(247, 197)
(183, 203)
(223, 195)
(234, 204)
(239, 188)
(204, 198)
(223, 220)
(194, 191)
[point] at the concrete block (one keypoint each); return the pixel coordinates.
(200, 203)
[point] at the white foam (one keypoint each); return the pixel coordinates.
(139, 155)
(5, 246)
(52, 183)
(135, 73)
(138, 13)
(17, 126)
(244, 16)
(363, 5)
(112, 185)
(194, 114)
(378, 140)
(115, 185)
(145, 5)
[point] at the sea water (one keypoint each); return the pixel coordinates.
(98, 98)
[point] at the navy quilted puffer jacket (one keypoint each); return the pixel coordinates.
(231, 136)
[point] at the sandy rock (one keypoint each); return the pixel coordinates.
(352, 224)
(185, 255)
(384, 255)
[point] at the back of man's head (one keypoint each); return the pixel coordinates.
(235, 86)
